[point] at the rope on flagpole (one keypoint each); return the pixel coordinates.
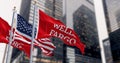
(33, 32)
(8, 58)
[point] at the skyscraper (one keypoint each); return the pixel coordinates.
(81, 17)
(112, 12)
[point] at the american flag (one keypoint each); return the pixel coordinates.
(24, 27)
(23, 33)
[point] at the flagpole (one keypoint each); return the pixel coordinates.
(4, 54)
(10, 39)
(33, 29)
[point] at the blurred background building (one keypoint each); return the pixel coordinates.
(112, 14)
(81, 17)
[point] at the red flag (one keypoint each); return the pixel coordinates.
(49, 26)
(4, 31)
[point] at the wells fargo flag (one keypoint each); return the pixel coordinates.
(49, 26)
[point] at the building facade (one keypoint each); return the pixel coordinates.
(112, 14)
(81, 17)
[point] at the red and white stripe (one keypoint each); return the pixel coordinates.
(45, 44)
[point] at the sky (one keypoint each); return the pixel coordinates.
(6, 11)
(6, 8)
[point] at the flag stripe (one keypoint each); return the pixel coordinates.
(47, 43)
(28, 41)
(43, 46)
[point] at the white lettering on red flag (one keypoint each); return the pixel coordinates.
(50, 27)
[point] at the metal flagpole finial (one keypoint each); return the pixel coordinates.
(14, 8)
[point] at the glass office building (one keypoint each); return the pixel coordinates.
(112, 12)
(115, 47)
(85, 27)
(81, 17)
